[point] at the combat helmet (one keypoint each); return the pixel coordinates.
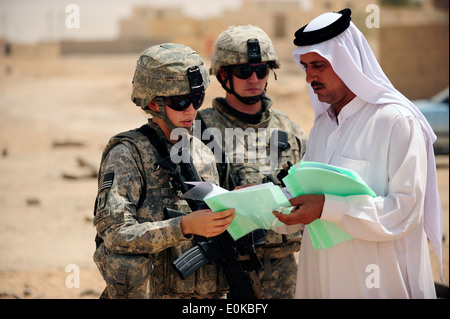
(164, 70)
(244, 44)
(232, 48)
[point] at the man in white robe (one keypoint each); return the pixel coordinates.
(363, 123)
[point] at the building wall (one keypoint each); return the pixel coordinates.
(411, 43)
(108, 47)
(47, 50)
(416, 58)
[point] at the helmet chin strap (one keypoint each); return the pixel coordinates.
(248, 100)
(166, 120)
(172, 126)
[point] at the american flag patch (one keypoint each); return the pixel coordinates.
(105, 182)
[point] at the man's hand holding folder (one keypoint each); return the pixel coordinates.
(307, 208)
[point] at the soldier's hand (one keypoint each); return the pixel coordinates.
(307, 208)
(207, 223)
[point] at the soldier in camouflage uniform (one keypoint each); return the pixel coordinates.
(136, 244)
(241, 62)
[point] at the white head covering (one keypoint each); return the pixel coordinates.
(354, 62)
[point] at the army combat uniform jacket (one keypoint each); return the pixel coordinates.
(136, 245)
(275, 248)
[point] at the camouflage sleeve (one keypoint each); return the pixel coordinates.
(120, 184)
(301, 136)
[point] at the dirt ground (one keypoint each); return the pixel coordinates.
(55, 117)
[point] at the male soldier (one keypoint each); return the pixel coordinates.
(136, 244)
(241, 62)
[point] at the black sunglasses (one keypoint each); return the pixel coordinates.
(244, 71)
(182, 102)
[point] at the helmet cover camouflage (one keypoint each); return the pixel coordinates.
(162, 70)
(231, 47)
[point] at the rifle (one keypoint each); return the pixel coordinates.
(221, 248)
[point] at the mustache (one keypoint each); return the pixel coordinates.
(315, 83)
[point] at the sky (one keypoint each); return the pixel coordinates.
(31, 21)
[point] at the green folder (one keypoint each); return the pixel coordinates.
(318, 178)
(254, 206)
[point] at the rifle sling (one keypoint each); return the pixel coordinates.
(155, 140)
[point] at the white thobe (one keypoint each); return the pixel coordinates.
(388, 257)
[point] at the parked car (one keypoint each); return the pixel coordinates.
(435, 110)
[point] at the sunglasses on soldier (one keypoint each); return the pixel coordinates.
(182, 102)
(244, 71)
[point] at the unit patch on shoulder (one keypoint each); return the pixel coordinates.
(106, 181)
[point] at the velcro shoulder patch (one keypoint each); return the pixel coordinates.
(105, 181)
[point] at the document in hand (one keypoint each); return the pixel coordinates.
(318, 178)
(254, 205)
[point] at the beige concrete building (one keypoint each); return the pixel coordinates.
(414, 48)
(280, 19)
(411, 42)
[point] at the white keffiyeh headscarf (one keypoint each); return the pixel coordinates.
(354, 62)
